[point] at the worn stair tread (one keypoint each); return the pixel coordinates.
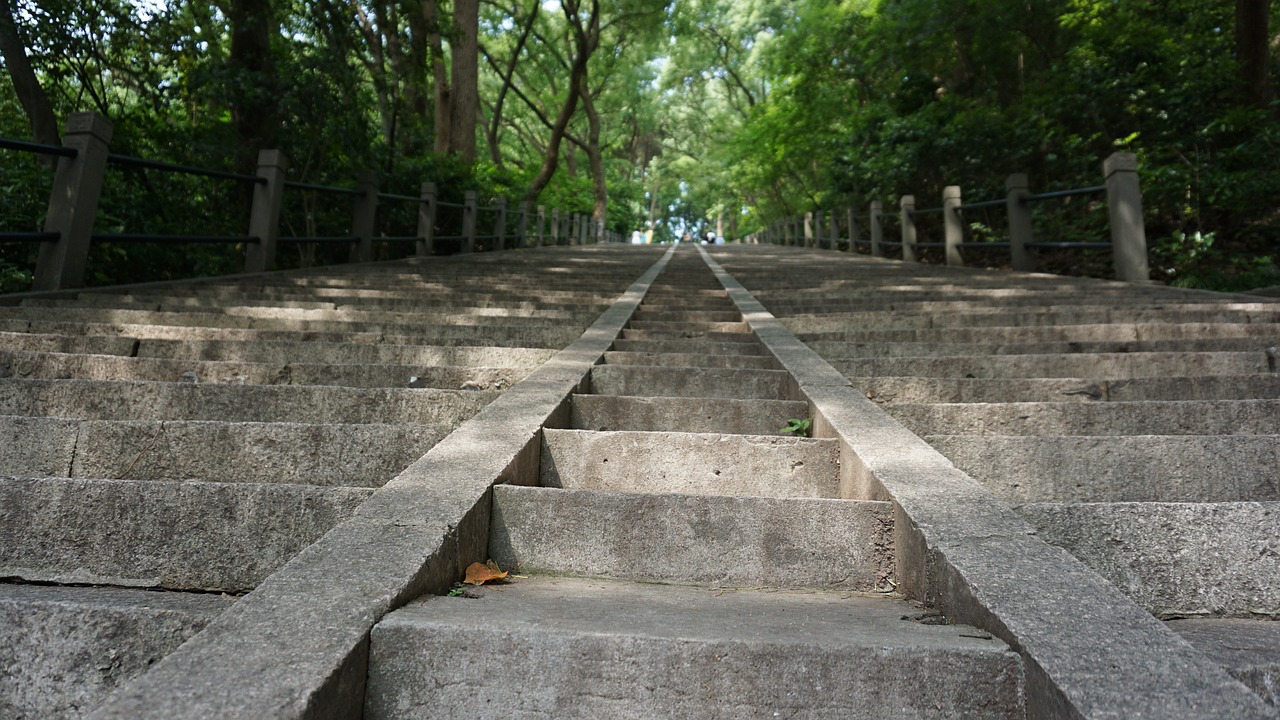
(694, 539)
(118, 400)
(1174, 559)
(690, 359)
(689, 326)
(1112, 332)
(684, 414)
(1248, 649)
(363, 455)
(1136, 468)
(458, 352)
(591, 648)
(729, 315)
(1175, 417)
(1121, 365)
(43, 342)
(65, 366)
(688, 334)
(688, 347)
(64, 649)
(729, 383)
(891, 389)
(186, 535)
(690, 463)
(927, 348)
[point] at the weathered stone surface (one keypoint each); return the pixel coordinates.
(578, 648)
(688, 360)
(1249, 649)
(1108, 332)
(445, 353)
(366, 455)
(92, 400)
(1119, 365)
(67, 344)
(36, 446)
(738, 383)
(1143, 468)
(64, 649)
(986, 390)
(681, 327)
(178, 535)
(1175, 559)
(700, 540)
(1219, 417)
(688, 347)
(682, 334)
(690, 463)
(706, 415)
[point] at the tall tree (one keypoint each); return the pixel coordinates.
(40, 117)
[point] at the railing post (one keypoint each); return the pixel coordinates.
(538, 224)
(855, 232)
(571, 229)
(522, 226)
(600, 235)
(877, 229)
(907, 208)
(264, 217)
(73, 203)
(500, 224)
(1017, 188)
(818, 228)
(952, 224)
(362, 221)
(1124, 208)
(555, 226)
(427, 220)
(808, 229)
(469, 221)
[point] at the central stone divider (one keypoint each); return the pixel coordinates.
(1089, 651)
(683, 558)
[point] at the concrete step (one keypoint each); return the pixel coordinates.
(694, 539)
(729, 315)
(1119, 365)
(681, 414)
(589, 648)
(1175, 559)
(332, 455)
(175, 535)
(690, 463)
(93, 400)
(55, 343)
(1116, 332)
(1140, 468)
(689, 334)
(688, 360)
(985, 390)
(682, 327)
(64, 649)
(1210, 417)
(651, 381)
(450, 352)
(687, 346)
(1248, 648)
(939, 349)
(905, 318)
(62, 366)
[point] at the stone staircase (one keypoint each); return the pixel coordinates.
(685, 560)
(1137, 428)
(191, 438)
(254, 496)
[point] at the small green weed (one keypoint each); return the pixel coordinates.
(797, 426)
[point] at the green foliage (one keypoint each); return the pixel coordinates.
(797, 426)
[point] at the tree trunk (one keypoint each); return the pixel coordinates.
(1252, 50)
(254, 85)
(552, 158)
(600, 210)
(44, 126)
(443, 93)
(465, 58)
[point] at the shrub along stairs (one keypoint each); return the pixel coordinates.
(341, 444)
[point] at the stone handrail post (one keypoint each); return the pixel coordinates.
(539, 222)
(264, 216)
(1017, 188)
(808, 230)
(366, 213)
(469, 204)
(522, 226)
(877, 229)
(907, 208)
(855, 232)
(555, 226)
(73, 203)
(427, 220)
(1124, 208)
(500, 224)
(952, 224)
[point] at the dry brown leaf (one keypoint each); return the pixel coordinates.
(478, 574)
